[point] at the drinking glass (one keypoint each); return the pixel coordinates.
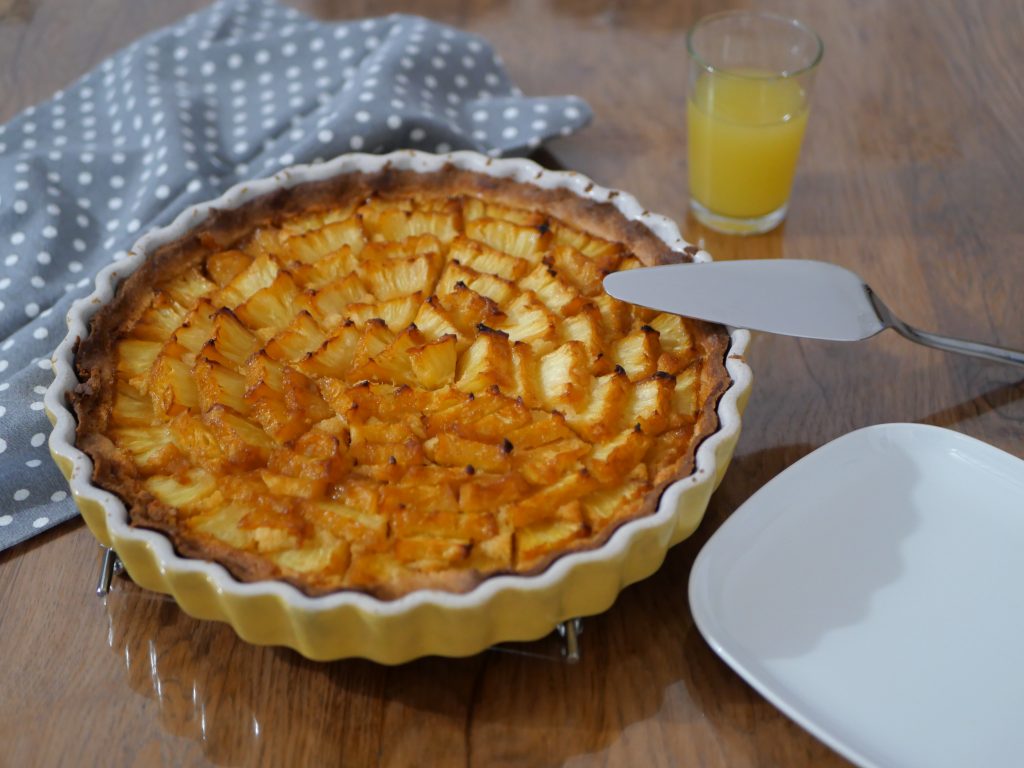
(750, 81)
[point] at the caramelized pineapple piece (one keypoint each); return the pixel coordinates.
(548, 463)
(643, 315)
(487, 492)
(316, 455)
(650, 403)
(685, 397)
(393, 225)
(306, 488)
(677, 349)
(217, 384)
(497, 289)
(392, 364)
(243, 443)
(543, 428)
(374, 430)
(151, 446)
(585, 327)
(616, 316)
(434, 475)
(637, 353)
(172, 387)
(395, 278)
(316, 244)
(583, 273)
(486, 260)
(265, 241)
(433, 364)
(543, 504)
(435, 322)
(528, 320)
(302, 336)
(439, 401)
(365, 400)
(468, 309)
(271, 307)
(270, 540)
(330, 269)
(454, 413)
(303, 399)
(666, 452)
(265, 397)
(436, 519)
(334, 357)
(396, 313)
(392, 458)
(452, 275)
(197, 329)
(232, 343)
(408, 248)
(257, 276)
(552, 535)
(131, 407)
(563, 373)
(605, 401)
(183, 492)
(263, 371)
(611, 461)
(558, 297)
(491, 417)
(475, 208)
(486, 363)
(608, 505)
(526, 375)
(672, 333)
(629, 262)
(604, 254)
(328, 304)
(419, 510)
(430, 554)
(363, 527)
(135, 357)
(359, 493)
(454, 451)
(225, 266)
(527, 243)
(493, 555)
(159, 321)
(198, 442)
(188, 288)
(297, 225)
(373, 340)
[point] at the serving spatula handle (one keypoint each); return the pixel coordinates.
(946, 343)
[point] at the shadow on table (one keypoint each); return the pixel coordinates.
(1007, 398)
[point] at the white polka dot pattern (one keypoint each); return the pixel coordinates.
(238, 90)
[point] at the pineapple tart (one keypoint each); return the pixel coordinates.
(393, 381)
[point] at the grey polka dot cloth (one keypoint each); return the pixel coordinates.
(236, 91)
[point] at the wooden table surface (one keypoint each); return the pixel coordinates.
(912, 175)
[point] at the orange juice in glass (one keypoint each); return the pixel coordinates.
(750, 78)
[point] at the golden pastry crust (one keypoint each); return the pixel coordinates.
(394, 381)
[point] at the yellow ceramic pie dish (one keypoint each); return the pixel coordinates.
(425, 621)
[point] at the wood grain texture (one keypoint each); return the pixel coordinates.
(911, 176)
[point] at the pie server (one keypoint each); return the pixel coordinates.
(812, 299)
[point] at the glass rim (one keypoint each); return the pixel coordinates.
(776, 17)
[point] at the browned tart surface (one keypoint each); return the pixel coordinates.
(394, 381)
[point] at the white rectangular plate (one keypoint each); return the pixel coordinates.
(874, 592)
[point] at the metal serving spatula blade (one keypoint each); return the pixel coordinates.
(812, 299)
